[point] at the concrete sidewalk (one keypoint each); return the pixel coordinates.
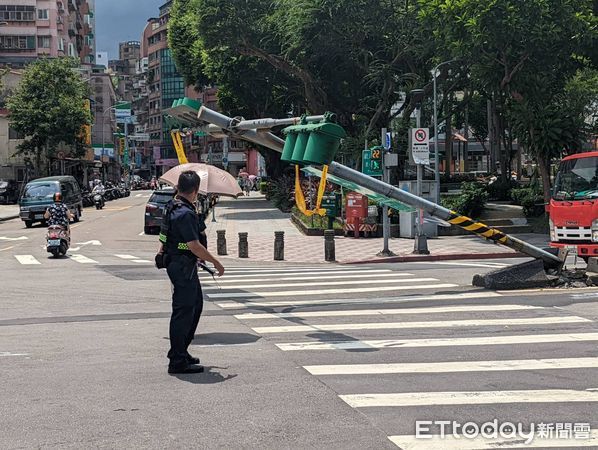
(261, 219)
(8, 212)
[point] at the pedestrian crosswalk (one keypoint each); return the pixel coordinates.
(406, 346)
(105, 259)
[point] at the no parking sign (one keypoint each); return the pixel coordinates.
(420, 145)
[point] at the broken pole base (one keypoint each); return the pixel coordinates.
(528, 275)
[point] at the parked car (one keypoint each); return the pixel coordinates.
(38, 195)
(155, 208)
(9, 191)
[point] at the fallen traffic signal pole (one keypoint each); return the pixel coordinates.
(259, 135)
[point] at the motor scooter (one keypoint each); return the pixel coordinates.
(98, 200)
(58, 240)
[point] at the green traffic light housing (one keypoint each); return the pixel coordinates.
(184, 111)
(313, 143)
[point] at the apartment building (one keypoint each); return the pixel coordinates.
(54, 28)
(125, 67)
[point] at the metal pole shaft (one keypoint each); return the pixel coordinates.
(258, 124)
(436, 146)
(420, 175)
(385, 178)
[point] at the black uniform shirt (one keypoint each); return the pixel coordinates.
(185, 224)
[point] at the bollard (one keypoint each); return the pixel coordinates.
(221, 242)
(279, 246)
(243, 246)
(329, 246)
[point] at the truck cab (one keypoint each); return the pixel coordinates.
(573, 208)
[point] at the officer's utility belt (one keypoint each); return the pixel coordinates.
(181, 250)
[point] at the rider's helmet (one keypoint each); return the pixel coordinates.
(57, 197)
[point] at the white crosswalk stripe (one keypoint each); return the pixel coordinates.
(81, 259)
(348, 301)
(27, 260)
(413, 325)
(310, 292)
(469, 398)
(387, 312)
(448, 342)
(461, 442)
(329, 283)
(134, 259)
(327, 276)
(457, 366)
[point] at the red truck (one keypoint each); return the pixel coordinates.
(573, 208)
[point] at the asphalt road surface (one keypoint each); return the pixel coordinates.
(296, 356)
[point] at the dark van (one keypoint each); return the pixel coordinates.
(38, 195)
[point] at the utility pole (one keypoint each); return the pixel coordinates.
(225, 153)
(386, 178)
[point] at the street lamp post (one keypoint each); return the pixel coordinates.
(436, 152)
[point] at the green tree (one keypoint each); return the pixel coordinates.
(48, 107)
(353, 57)
(513, 50)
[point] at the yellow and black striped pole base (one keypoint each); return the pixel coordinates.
(481, 229)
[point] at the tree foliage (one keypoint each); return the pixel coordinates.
(48, 108)
(361, 58)
(272, 58)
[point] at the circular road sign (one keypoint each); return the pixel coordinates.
(420, 135)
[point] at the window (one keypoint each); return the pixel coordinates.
(72, 50)
(17, 13)
(42, 14)
(61, 45)
(44, 41)
(17, 43)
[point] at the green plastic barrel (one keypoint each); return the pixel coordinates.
(324, 141)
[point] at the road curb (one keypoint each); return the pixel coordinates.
(432, 258)
(6, 218)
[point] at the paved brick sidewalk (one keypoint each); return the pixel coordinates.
(260, 219)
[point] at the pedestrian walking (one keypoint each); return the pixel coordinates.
(181, 246)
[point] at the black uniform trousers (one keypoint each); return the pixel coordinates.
(187, 306)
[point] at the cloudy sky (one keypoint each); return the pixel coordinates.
(122, 20)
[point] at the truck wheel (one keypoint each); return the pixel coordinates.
(28, 223)
(77, 216)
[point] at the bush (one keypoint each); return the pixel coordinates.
(531, 199)
(501, 190)
(264, 187)
(282, 193)
(470, 203)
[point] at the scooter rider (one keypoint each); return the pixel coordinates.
(59, 214)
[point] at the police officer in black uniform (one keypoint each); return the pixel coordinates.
(183, 243)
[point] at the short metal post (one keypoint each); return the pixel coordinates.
(243, 246)
(329, 246)
(279, 246)
(221, 242)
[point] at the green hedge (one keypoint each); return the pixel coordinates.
(531, 199)
(470, 202)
